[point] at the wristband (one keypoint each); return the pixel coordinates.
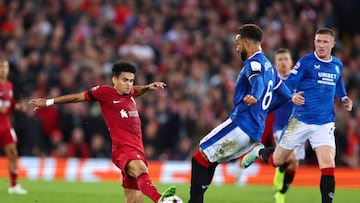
(50, 102)
(344, 98)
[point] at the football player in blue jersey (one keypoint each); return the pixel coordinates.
(318, 75)
(284, 176)
(242, 131)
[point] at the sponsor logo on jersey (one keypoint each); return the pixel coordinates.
(326, 78)
(327, 75)
(116, 101)
(316, 66)
(123, 114)
(127, 114)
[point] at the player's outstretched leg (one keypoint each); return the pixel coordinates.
(202, 173)
(170, 191)
(252, 156)
(278, 179)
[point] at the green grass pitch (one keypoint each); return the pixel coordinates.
(112, 192)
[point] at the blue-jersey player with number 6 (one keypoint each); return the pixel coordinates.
(242, 131)
(318, 74)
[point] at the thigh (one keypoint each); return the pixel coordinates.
(280, 155)
(122, 156)
(133, 196)
(225, 142)
(325, 156)
(7, 136)
(295, 134)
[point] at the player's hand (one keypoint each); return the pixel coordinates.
(298, 99)
(348, 104)
(250, 100)
(157, 85)
(21, 106)
(38, 103)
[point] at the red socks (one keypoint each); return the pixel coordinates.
(328, 171)
(147, 187)
(13, 179)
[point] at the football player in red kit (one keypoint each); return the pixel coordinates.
(8, 137)
(122, 119)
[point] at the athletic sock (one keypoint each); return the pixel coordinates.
(288, 179)
(266, 153)
(147, 187)
(202, 173)
(327, 185)
(13, 179)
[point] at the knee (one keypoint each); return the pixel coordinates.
(134, 170)
(11, 153)
(277, 162)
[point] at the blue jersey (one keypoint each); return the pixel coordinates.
(283, 112)
(321, 81)
(258, 78)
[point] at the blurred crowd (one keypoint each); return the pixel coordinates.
(58, 47)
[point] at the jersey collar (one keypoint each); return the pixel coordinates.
(325, 61)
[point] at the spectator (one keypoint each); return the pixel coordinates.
(77, 146)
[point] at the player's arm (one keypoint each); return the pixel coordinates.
(142, 89)
(277, 101)
(340, 92)
(256, 82)
(257, 88)
(69, 98)
(282, 89)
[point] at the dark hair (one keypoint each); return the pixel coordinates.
(123, 67)
(325, 31)
(282, 50)
(251, 31)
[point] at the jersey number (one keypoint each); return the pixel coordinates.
(268, 96)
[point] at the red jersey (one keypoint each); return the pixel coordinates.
(120, 115)
(7, 101)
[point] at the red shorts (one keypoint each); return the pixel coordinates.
(7, 136)
(121, 156)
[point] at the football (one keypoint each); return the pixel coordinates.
(172, 199)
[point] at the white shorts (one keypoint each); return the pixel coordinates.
(226, 142)
(299, 150)
(298, 132)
